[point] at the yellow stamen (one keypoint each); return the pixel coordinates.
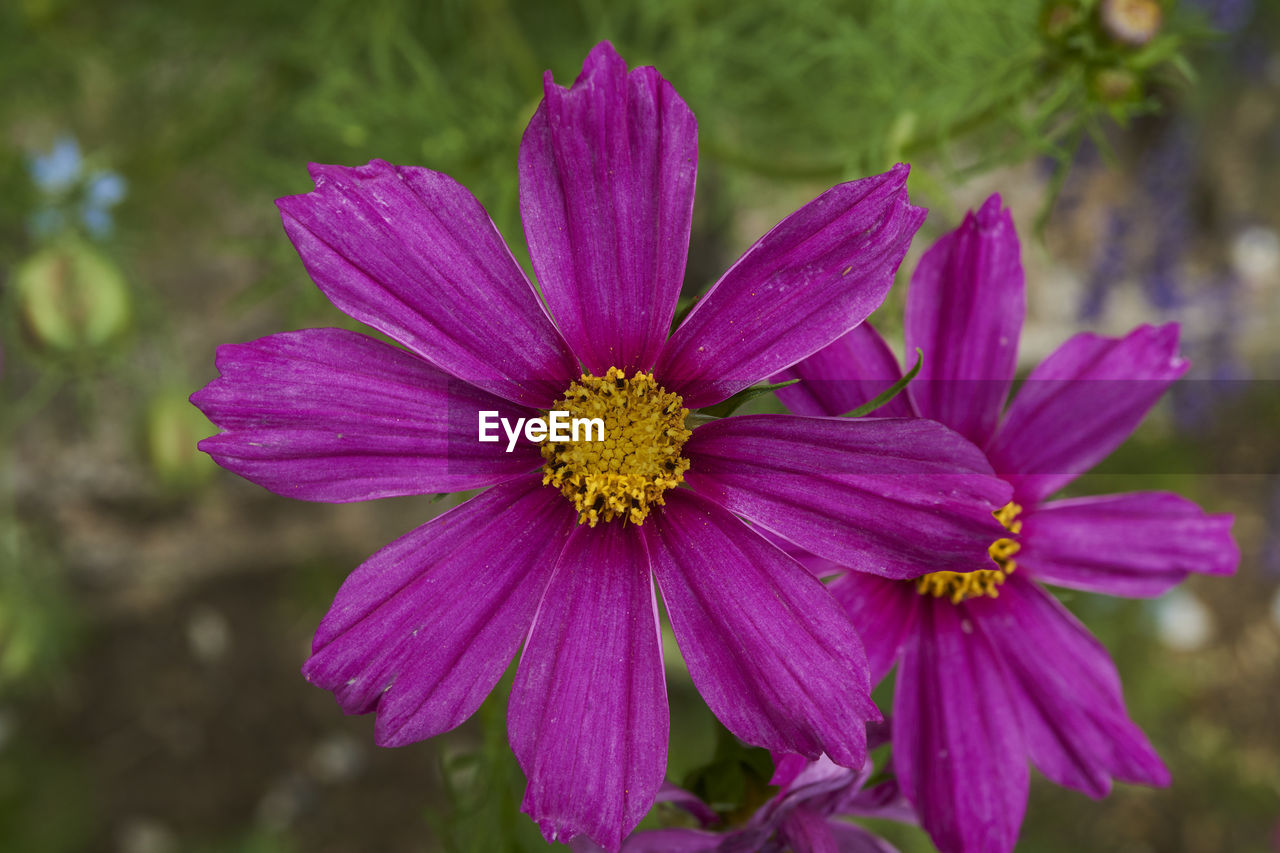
(625, 475)
(963, 585)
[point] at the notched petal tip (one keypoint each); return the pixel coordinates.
(200, 399)
(896, 177)
(1169, 336)
(890, 184)
(607, 171)
(604, 57)
(322, 174)
(992, 213)
(208, 445)
(601, 62)
(1161, 345)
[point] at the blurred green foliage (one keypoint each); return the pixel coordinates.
(37, 624)
(483, 788)
(244, 93)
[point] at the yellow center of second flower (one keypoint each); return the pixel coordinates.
(963, 585)
(624, 475)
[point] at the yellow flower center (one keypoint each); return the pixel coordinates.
(963, 585)
(624, 475)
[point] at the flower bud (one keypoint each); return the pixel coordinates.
(1132, 22)
(1115, 85)
(1057, 17)
(71, 298)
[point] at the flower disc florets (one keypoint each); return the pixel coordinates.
(624, 475)
(962, 585)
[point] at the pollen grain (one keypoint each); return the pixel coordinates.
(959, 586)
(625, 475)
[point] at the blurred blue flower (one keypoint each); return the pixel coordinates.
(58, 170)
(97, 220)
(105, 189)
(69, 195)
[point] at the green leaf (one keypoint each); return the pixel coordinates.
(889, 393)
(731, 405)
(736, 781)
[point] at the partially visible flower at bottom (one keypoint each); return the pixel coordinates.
(803, 817)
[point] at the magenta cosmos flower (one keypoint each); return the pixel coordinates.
(992, 670)
(559, 554)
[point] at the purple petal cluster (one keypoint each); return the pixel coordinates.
(990, 680)
(423, 630)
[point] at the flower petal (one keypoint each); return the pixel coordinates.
(607, 171)
(882, 800)
(1080, 404)
(1137, 544)
(688, 801)
(845, 375)
(767, 647)
(891, 496)
(423, 630)
(588, 711)
(815, 783)
(957, 743)
(333, 415)
(412, 253)
(807, 831)
(1067, 693)
(819, 567)
(811, 279)
(883, 611)
(965, 310)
